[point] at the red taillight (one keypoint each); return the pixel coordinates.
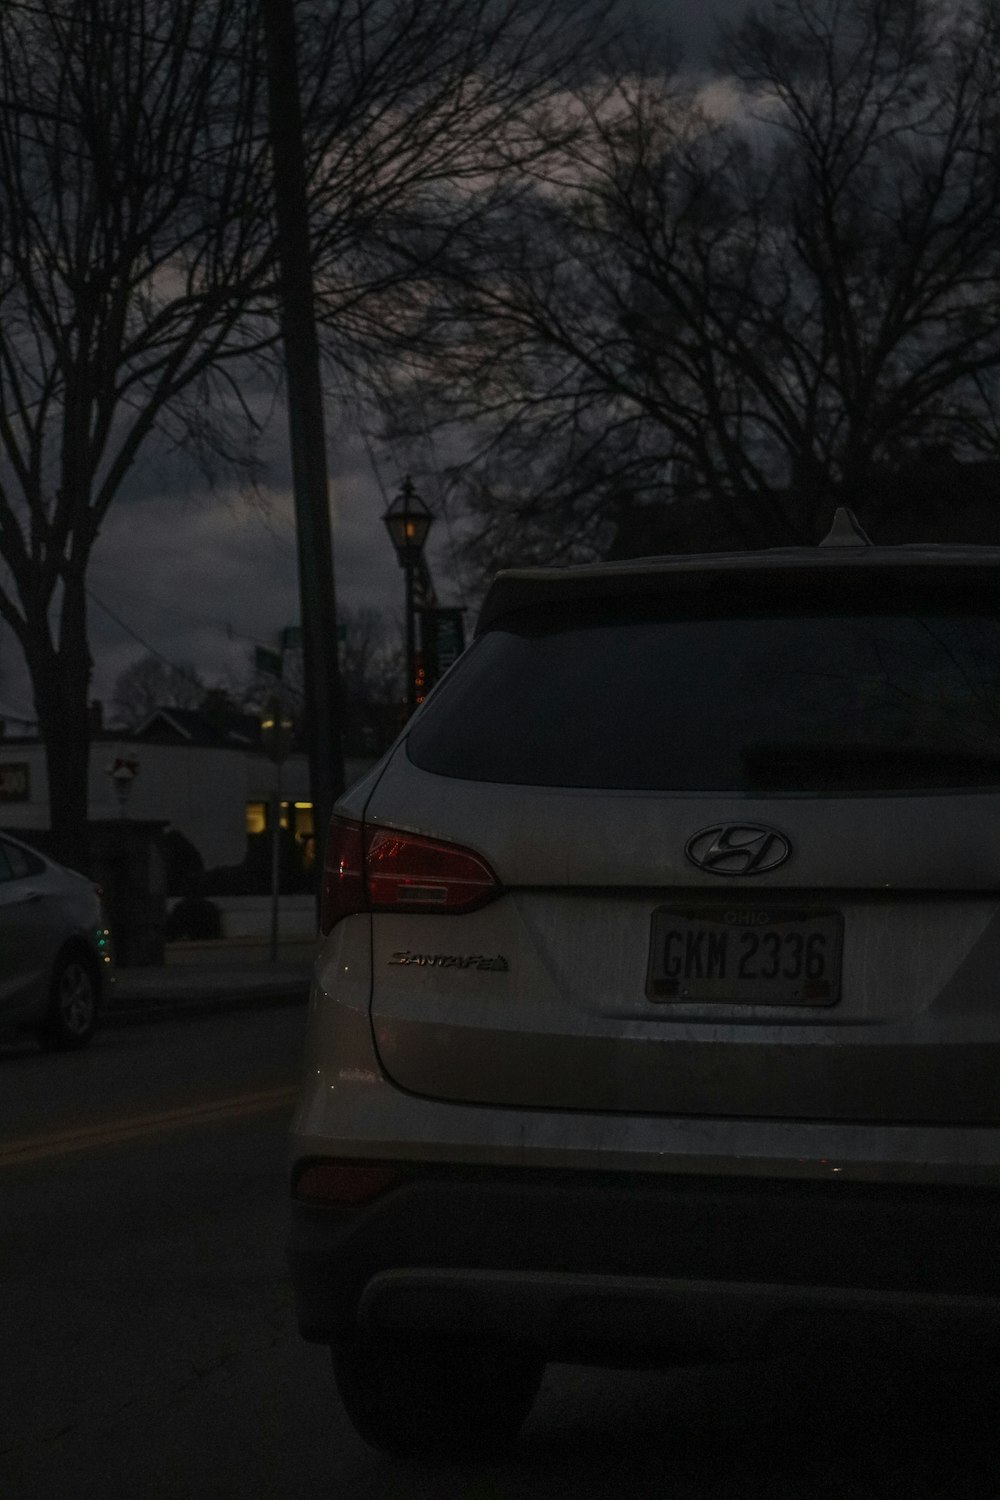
(419, 874)
(384, 869)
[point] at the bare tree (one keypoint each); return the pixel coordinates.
(151, 683)
(757, 310)
(132, 200)
(422, 119)
(374, 674)
(136, 250)
(878, 276)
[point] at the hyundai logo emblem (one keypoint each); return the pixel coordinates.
(737, 849)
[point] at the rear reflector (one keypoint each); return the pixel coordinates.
(344, 1183)
(385, 869)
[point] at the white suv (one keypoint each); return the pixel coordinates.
(658, 1013)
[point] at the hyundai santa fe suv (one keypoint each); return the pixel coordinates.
(657, 1017)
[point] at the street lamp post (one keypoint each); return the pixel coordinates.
(123, 770)
(408, 520)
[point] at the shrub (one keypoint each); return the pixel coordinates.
(193, 918)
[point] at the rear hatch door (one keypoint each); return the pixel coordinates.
(749, 862)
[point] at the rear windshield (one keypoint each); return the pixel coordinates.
(755, 704)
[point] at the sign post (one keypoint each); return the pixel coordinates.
(276, 735)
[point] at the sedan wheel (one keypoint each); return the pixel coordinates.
(72, 1017)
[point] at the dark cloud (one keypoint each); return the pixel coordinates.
(214, 575)
(695, 24)
(200, 573)
(689, 24)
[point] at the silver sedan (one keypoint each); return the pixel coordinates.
(56, 964)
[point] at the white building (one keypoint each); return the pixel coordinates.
(204, 775)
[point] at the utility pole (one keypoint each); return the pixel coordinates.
(321, 669)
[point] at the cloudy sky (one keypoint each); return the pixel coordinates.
(202, 577)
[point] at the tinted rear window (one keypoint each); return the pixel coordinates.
(755, 704)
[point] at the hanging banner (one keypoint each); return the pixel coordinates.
(442, 641)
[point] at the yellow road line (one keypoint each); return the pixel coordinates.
(111, 1132)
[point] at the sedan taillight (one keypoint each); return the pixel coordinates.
(385, 869)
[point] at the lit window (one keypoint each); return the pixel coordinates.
(304, 833)
(256, 817)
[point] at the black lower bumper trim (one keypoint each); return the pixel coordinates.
(595, 1259)
(583, 1317)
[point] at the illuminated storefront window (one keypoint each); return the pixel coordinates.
(304, 832)
(256, 817)
(296, 817)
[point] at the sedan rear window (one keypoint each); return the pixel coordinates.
(753, 704)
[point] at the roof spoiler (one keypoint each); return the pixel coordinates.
(846, 531)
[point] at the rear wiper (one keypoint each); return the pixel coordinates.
(813, 765)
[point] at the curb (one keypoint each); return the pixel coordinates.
(135, 1010)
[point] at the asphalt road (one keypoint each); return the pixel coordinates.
(148, 1348)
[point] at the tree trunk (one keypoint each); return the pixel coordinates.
(60, 678)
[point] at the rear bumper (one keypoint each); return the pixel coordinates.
(585, 1266)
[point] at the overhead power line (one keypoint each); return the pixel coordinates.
(124, 625)
(149, 600)
(166, 660)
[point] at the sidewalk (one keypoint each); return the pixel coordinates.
(223, 975)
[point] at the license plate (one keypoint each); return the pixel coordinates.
(745, 955)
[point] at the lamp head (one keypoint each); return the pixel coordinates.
(408, 520)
